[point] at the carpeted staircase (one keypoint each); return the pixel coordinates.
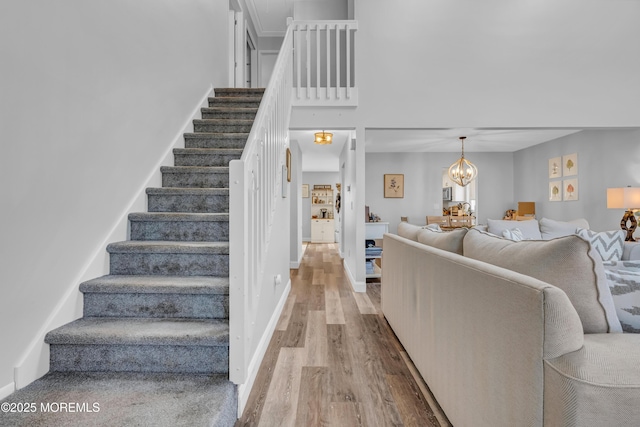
(153, 345)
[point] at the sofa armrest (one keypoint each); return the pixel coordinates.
(631, 251)
(598, 384)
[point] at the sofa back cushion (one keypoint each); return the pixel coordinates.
(529, 228)
(450, 241)
(569, 263)
(409, 231)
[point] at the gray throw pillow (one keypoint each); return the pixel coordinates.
(529, 228)
(569, 263)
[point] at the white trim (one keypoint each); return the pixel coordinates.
(357, 286)
(254, 365)
(34, 362)
(7, 390)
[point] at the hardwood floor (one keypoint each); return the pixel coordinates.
(333, 359)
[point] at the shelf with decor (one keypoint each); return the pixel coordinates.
(374, 231)
(322, 222)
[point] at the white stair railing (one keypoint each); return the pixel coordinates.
(324, 72)
(255, 180)
(255, 184)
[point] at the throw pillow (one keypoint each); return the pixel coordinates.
(515, 235)
(609, 244)
(530, 228)
(447, 240)
(433, 227)
(624, 282)
(550, 229)
(569, 263)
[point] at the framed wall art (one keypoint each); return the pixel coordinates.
(305, 191)
(555, 167)
(394, 185)
(570, 164)
(555, 191)
(570, 189)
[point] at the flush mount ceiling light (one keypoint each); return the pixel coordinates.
(463, 171)
(323, 138)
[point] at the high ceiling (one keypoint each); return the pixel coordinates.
(270, 16)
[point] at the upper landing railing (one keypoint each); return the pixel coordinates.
(323, 65)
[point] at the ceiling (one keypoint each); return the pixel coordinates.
(270, 16)
(447, 140)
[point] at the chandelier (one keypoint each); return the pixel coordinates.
(323, 138)
(463, 171)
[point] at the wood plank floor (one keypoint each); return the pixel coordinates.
(333, 359)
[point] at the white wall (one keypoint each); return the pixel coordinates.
(93, 95)
(296, 203)
(606, 158)
(423, 185)
(498, 63)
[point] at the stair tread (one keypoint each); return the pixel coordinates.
(111, 283)
(129, 398)
(228, 135)
(143, 331)
(207, 151)
(172, 247)
(187, 191)
(229, 109)
(194, 169)
(224, 121)
(238, 99)
(179, 216)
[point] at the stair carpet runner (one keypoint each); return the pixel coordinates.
(158, 323)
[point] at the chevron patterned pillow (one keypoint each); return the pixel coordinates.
(609, 244)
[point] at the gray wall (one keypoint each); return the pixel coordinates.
(423, 184)
(606, 158)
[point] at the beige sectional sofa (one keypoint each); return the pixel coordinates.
(511, 333)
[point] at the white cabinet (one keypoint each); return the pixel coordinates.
(374, 230)
(322, 231)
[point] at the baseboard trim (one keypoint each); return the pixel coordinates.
(34, 362)
(357, 286)
(7, 390)
(244, 390)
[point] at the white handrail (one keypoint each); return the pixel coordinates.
(255, 184)
(255, 180)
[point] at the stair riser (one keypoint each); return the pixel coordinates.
(170, 264)
(139, 358)
(205, 159)
(232, 103)
(182, 231)
(229, 115)
(156, 305)
(222, 127)
(215, 142)
(195, 180)
(188, 203)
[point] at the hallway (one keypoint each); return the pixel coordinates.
(333, 360)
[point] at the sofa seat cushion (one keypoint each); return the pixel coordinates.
(530, 228)
(450, 241)
(596, 385)
(568, 263)
(624, 282)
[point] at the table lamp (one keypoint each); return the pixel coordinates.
(625, 198)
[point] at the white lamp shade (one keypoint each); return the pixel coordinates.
(623, 198)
